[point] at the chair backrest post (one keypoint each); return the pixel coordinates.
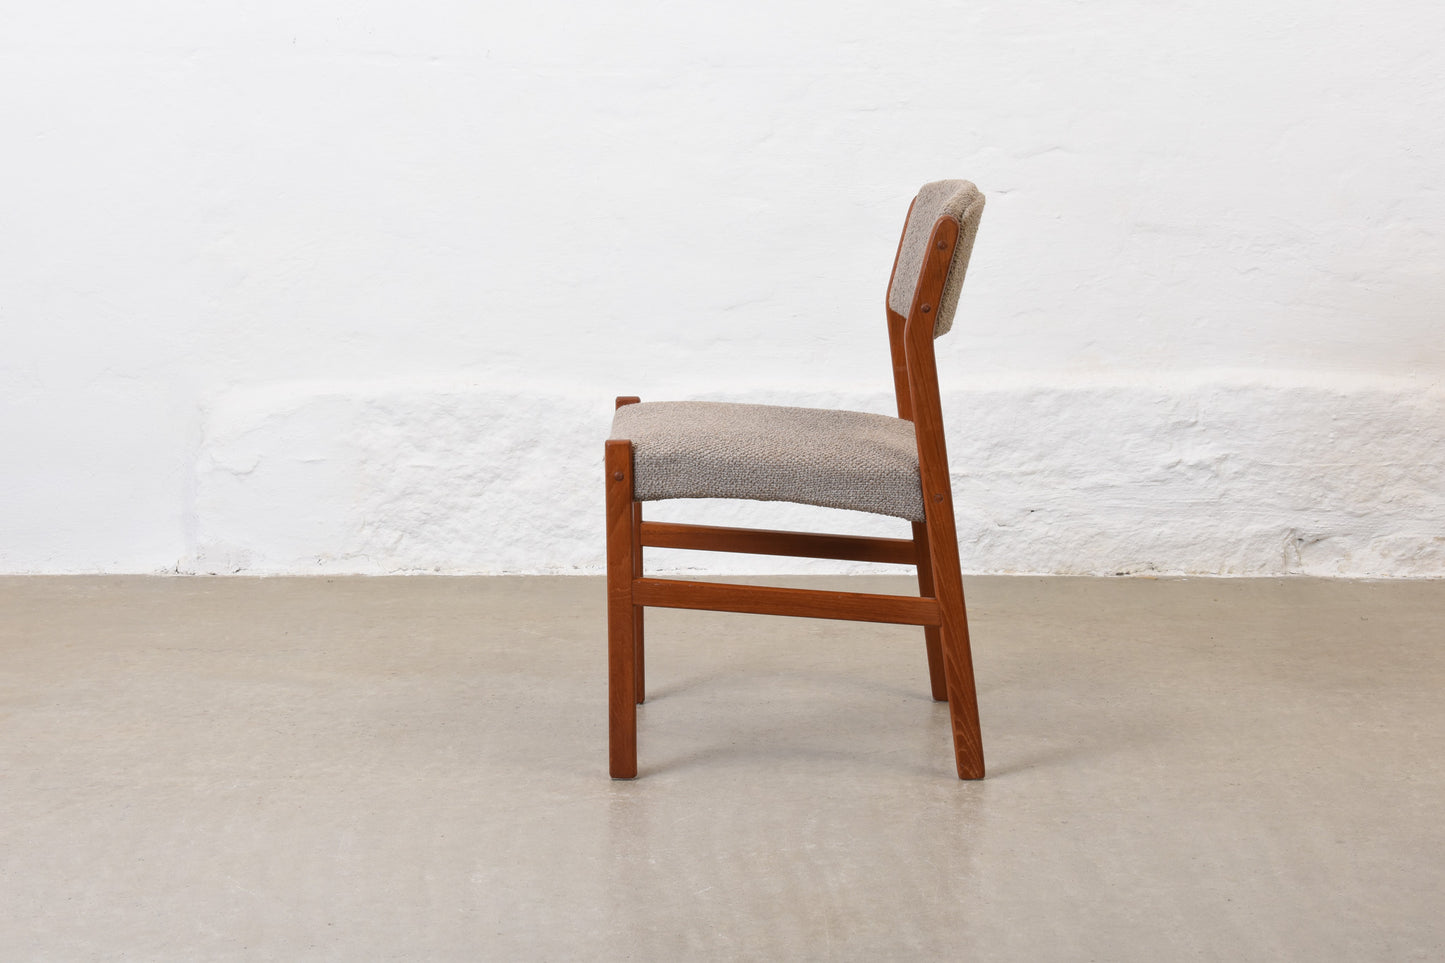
(955, 200)
(896, 324)
(926, 405)
(928, 271)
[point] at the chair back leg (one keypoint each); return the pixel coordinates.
(640, 683)
(957, 653)
(932, 636)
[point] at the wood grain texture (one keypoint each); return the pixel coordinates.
(942, 533)
(621, 643)
(640, 684)
(772, 600)
(761, 541)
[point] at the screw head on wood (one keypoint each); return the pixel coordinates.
(926, 308)
(617, 476)
(942, 244)
(938, 496)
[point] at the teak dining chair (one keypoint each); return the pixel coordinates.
(836, 459)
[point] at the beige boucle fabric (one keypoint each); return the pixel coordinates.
(836, 459)
(960, 200)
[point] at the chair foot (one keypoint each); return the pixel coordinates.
(962, 699)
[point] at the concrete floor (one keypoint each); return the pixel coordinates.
(414, 768)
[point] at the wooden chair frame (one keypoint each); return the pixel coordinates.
(933, 549)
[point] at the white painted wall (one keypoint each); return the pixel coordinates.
(350, 286)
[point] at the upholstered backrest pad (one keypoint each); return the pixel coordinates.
(962, 201)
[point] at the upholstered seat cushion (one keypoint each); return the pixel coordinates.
(836, 459)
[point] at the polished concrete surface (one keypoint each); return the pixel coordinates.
(415, 768)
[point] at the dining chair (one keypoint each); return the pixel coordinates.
(836, 459)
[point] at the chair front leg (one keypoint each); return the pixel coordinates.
(622, 642)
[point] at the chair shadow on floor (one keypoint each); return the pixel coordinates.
(1025, 744)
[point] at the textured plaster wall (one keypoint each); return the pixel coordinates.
(1213, 474)
(349, 286)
